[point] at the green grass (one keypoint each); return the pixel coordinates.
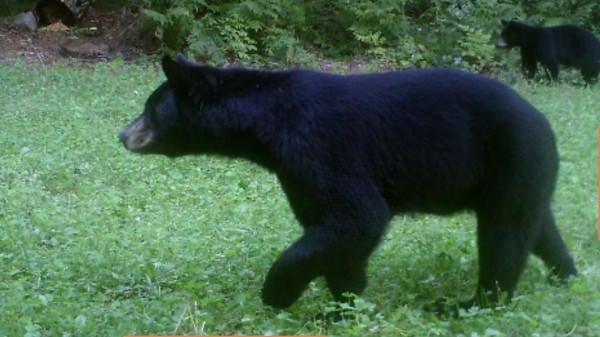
(95, 241)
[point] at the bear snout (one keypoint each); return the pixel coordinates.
(122, 135)
(501, 43)
(137, 136)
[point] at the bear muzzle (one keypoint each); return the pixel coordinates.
(501, 43)
(136, 137)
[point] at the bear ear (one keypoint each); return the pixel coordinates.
(176, 74)
(190, 80)
(180, 58)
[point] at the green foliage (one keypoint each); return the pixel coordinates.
(580, 12)
(172, 26)
(12, 7)
(477, 51)
(96, 241)
(406, 33)
(236, 31)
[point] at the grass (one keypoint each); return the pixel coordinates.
(95, 241)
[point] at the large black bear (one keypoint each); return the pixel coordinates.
(351, 151)
(551, 46)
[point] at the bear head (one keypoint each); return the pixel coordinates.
(168, 124)
(511, 35)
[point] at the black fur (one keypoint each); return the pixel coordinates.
(551, 46)
(352, 151)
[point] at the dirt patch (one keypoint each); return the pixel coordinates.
(100, 36)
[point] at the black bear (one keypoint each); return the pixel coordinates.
(551, 46)
(352, 151)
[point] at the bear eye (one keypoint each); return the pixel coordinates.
(160, 115)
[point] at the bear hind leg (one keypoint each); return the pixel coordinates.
(503, 247)
(590, 74)
(550, 247)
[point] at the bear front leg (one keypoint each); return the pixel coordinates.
(528, 65)
(339, 251)
(347, 259)
(337, 246)
(295, 268)
(552, 69)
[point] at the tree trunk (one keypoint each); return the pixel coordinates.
(67, 11)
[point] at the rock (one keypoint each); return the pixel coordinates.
(90, 31)
(86, 48)
(55, 27)
(25, 21)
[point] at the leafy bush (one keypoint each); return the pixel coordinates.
(477, 51)
(405, 33)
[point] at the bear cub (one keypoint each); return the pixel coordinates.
(352, 151)
(567, 45)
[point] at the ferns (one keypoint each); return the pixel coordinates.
(394, 33)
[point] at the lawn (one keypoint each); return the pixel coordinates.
(96, 241)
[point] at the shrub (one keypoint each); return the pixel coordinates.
(392, 33)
